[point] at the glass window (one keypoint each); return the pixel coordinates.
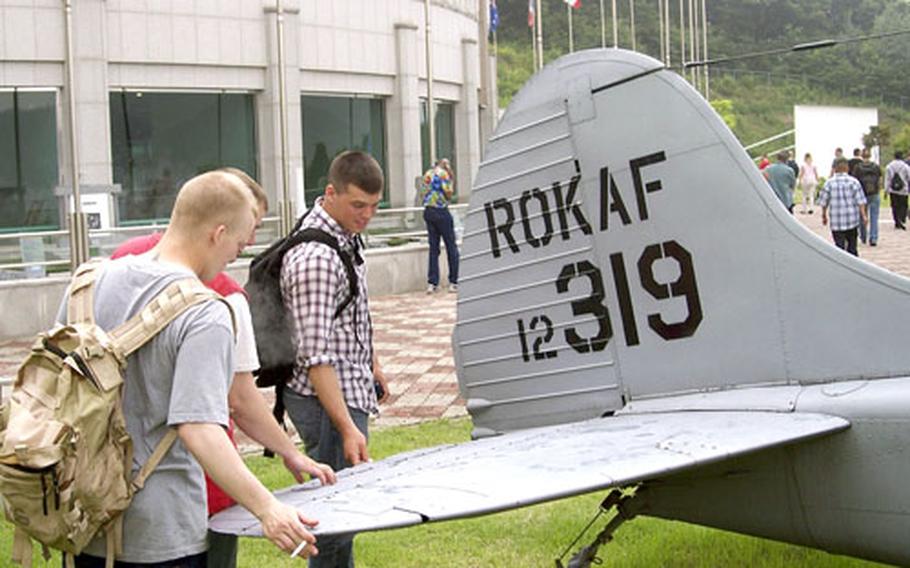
(28, 160)
(332, 125)
(445, 134)
(161, 140)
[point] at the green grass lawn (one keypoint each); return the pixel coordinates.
(533, 536)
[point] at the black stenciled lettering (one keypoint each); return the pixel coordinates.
(593, 305)
(626, 311)
(504, 228)
(541, 197)
(565, 203)
(636, 165)
(539, 341)
(684, 286)
(522, 337)
(610, 200)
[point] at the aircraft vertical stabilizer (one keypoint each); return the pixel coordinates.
(620, 244)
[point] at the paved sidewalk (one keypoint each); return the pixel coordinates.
(413, 336)
(413, 339)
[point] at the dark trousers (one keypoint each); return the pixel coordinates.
(899, 209)
(324, 444)
(194, 561)
(440, 224)
(846, 240)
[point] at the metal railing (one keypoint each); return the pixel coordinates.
(35, 254)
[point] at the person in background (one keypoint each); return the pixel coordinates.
(437, 191)
(838, 153)
(808, 181)
(846, 200)
(869, 175)
(856, 160)
(782, 179)
(897, 181)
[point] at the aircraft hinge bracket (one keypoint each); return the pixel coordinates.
(626, 509)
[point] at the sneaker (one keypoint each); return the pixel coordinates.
(431, 289)
(453, 288)
(873, 244)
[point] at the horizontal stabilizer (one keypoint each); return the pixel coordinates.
(531, 466)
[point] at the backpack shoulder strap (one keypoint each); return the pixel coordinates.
(320, 236)
(167, 305)
(79, 305)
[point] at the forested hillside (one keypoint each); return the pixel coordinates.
(761, 91)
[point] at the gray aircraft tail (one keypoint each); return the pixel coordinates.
(621, 245)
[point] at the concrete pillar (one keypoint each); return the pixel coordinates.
(403, 114)
(467, 120)
(93, 121)
(268, 111)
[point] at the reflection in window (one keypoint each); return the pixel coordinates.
(28, 160)
(332, 125)
(445, 134)
(161, 140)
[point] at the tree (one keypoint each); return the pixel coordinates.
(877, 136)
(724, 107)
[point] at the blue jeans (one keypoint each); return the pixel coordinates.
(323, 443)
(440, 224)
(872, 206)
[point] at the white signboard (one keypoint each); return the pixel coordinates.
(822, 129)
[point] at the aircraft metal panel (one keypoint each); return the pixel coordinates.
(532, 466)
(524, 272)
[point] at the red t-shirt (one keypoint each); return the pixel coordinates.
(224, 285)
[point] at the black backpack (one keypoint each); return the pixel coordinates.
(272, 324)
(868, 176)
(897, 183)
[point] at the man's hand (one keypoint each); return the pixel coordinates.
(298, 464)
(379, 377)
(355, 446)
(286, 527)
(824, 217)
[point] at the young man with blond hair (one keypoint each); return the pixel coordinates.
(180, 379)
(248, 407)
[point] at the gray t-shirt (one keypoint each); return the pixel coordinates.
(182, 375)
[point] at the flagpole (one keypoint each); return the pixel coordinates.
(539, 20)
(431, 114)
(615, 28)
(692, 78)
(660, 19)
(632, 23)
(603, 26)
(704, 31)
(682, 37)
(571, 38)
(667, 29)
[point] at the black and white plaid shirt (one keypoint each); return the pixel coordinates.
(843, 194)
(314, 282)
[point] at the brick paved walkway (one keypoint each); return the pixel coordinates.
(413, 335)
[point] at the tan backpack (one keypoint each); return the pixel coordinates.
(65, 454)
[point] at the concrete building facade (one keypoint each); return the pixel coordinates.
(164, 89)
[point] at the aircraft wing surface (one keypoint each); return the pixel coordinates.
(531, 466)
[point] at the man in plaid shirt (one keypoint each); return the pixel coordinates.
(845, 197)
(333, 390)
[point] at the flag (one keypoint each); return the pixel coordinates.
(530, 13)
(573, 3)
(494, 16)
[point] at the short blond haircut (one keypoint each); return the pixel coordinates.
(212, 199)
(258, 193)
